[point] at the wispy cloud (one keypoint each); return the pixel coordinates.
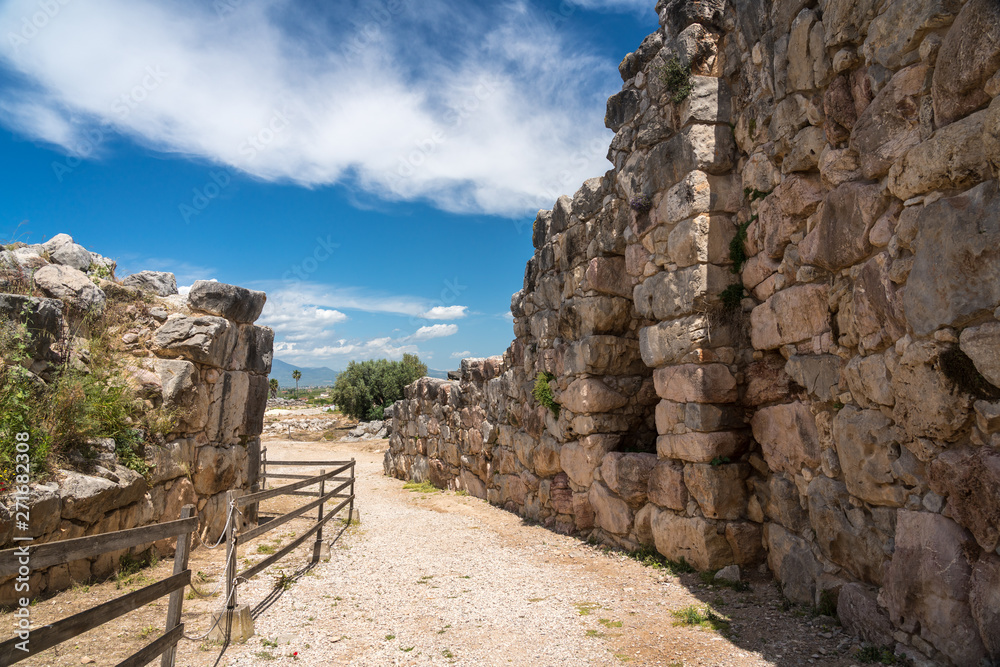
(460, 355)
(475, 107)
(282, 298)
(446, 313)
(435, 331)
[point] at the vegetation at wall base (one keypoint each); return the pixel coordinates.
(88, 397)
(367, 388)
(542, 392)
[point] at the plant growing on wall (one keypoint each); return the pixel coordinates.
(543, 392)
(677, 79)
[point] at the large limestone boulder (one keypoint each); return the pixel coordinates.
(627, 474)
(611, 512)
(927, 403)
(969, 55)
(73, 255)
(697, 447)
(927, 585)
(720, 490)
(969, 480)
(183, 392)
(581, 458)
(890, 125)
(788, 437)
(840, 237)
(233, 303)
(160, 283)
(793, 564)
(946, 287)
(666, 485)
(867, 447)
(672, 294)
(72, 286)
(860, 614)
(691, 538)
(982, 345)
(952, 159)
(86, 498)
(696, 383)
(984, 599)
(845, 534)
(790, 316)
(43, 318)
(878, 319)
(586, 395)
(669, 342)
(206, 340)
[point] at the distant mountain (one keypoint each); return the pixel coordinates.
(435, 373)
(311, 377)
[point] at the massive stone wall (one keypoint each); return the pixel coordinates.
(837, 414)
(198, 355)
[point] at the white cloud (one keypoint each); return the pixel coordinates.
(435, 331)
(343, 351)
(637, 6)
(446, 313)
(476, 107)
(460, 355)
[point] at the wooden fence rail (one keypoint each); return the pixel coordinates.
(54, 553)
(253, 500)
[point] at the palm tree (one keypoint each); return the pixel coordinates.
(296, 375)
(273, 382)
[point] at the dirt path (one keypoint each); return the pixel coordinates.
(443, 579)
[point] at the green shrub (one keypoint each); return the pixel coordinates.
(543, 392)
(697, 617)
(367, 388)
(732, 296)
(21, 405)
(677, 79)
(737, 246)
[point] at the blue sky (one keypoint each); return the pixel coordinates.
(374, 165)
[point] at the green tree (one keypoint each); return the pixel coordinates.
(273, 383)
(296, 375)
(367, 388)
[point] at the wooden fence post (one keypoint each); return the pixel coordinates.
(231, 550)
(350, 510)
(177, 597)
(318, 544)
(263, 469)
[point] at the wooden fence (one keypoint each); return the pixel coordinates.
(234, 538)
(56, 553)
(42, 556)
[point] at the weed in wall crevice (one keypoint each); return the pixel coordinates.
(542, 392)
(677, 79)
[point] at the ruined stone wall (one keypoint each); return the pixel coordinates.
(198, 355)
(837, 415)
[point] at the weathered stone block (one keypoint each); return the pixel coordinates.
(952, 159)
(627, 474)
(969, 55)
(698, 193)
(901, 26)
(867, 447)
(696, 383)
(691, 538)
(860, 614)
(927, 405)
(982, 345)
(70, 285)
(781, 503)
(840, 237)
(603, 355)
(844, 533)
(607, 275)
(702, 239)
(666, 485)
(206, 340)
(672, 294)
(956, 268)
(701, 447)
(579, 459)
(878, 305)
(588, 395)
(720, 489)
(820, 375)
(746, 541)
(229, 301)
(984, 600)
(790, 316)
(970, 480)
(927, 585)
(889, 126)
(589, 315)
(788, 437)
(793, 564)
(668, 342)
(611, 512)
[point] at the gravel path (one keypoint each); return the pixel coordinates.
(442, 579)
